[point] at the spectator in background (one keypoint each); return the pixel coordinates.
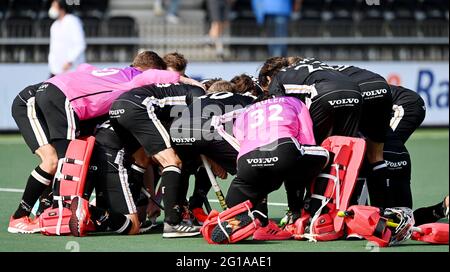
(171, 16)
(218, 12)
(276, 14)
(67, 43)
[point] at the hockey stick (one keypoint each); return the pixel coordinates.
(389, 223)
(214, 183)
(207, 204)
(147, 194)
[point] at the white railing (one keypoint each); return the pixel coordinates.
(163, 40)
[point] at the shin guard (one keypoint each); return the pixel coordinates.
(331, 191)
(69, 182)
(434, 233)
(215, 218)
(368, 222)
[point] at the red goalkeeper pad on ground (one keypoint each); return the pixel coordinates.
(332, 191)
(69, 181)
(434, 233)
(211, 228)
(368, 222)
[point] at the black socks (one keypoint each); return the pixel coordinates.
(263, 208)
(110, 220)
(201, 189)
(429, 214)
(378, 185)
(136, 180)
(171, 192)
(38, 181)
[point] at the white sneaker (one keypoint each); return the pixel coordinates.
(180, 230)
(172, 19)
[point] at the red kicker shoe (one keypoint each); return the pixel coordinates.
(271, 232)
(23, 225)
(79, 220)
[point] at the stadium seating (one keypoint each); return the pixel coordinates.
(436, 16)
(4, 5)
(317, 18)
(26, 7)
(19, 26)
(44, 27)
(121, 26)
(94, 7)
(91, 25)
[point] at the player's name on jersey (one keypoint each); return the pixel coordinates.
(267, 101)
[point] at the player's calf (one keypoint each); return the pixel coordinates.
(38, 181)
(174, 226)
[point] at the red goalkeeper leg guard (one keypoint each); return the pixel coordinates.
(68, 183)
(434, 233)
(230, 226)
(332, 191)
(367, 222)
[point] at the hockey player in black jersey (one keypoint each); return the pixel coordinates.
(141, 117)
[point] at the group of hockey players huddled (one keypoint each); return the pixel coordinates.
(332, 136)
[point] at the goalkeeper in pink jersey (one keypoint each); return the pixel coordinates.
(276, 145)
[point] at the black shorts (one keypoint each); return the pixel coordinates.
(137, 125)
(30, 119)
(62, 122)
(377, 108)
(263, 170)
(190, 143)
(335, 111)
(406, 116)
(109, 174)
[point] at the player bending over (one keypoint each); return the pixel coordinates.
(140, 118)
(276, 145)
(408, 113)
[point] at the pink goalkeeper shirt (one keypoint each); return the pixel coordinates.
(267, 121)
(92, 91)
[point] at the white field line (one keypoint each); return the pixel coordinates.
(269, 203)
(11, 190)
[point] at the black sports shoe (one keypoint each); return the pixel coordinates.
(289, 218)
(230, 225)
(182, 229)
(149, 226)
